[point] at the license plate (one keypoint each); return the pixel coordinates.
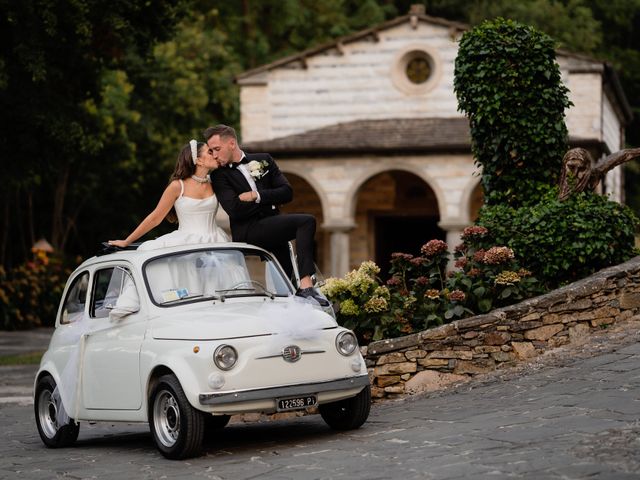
(296, 403)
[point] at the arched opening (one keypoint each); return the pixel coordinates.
(396, 211)
(476, 200)
(306, 200)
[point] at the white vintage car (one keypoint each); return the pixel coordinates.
(184, 337)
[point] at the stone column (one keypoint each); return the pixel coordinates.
(338, 246)
(453, 228)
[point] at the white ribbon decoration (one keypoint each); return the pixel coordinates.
(194, 150)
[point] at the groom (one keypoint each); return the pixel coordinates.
(249, 186)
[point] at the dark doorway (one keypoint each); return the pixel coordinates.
(405, 234)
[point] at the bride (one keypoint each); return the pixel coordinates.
(191, 195)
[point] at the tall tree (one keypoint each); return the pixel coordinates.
(54, 55)
(260, 31)
(187, 84)
(571, 24)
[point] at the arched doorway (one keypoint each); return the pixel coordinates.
(396, 211)
(306, 200)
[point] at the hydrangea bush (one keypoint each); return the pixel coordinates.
(490, 277)
(30, 293)
(422, 293)
(361, 301)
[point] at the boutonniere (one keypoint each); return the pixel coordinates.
(257, 169)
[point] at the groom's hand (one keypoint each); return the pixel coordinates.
(249, 196)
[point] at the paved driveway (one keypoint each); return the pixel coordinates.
(575, 414)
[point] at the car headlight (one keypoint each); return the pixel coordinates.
(346, 343)
(225, 357)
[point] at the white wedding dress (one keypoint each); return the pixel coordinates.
(196, 224)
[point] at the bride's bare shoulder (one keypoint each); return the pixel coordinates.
(175, 188)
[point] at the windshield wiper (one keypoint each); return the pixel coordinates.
(250, 293)
(248, 286)
(189, 297)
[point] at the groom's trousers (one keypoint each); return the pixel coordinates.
(273, 234)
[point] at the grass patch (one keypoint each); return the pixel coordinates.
(30, 358)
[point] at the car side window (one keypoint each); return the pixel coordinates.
(73, 309)
(108, 286)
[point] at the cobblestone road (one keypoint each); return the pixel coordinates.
(574, 413)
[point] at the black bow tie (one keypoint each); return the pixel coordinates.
(235, 164)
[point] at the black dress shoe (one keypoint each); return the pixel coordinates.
(310, 292)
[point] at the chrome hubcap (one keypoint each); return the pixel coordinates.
(48, 413)
(166, 418)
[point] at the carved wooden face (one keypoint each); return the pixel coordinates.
(576, 172)
(577, 166)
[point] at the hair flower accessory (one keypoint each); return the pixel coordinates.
(194, 150)
(257, 168)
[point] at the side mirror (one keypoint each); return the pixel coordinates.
(118, 312)
(128, 302)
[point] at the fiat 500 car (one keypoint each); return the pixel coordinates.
(183, 338)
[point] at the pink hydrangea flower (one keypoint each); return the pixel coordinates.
(473, 231)
(497, 255)
(457, 296)
(434, 247)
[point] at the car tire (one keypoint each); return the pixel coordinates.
(176, 427)
(47, 409)
(347, 414)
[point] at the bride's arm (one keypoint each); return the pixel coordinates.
(167, 200)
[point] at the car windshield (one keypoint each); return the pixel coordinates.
(213, 274)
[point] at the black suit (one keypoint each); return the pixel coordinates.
(261, 223)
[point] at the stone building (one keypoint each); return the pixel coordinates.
(367, 130)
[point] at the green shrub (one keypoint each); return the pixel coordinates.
(30, 293)
(509, 85)
(561, 242)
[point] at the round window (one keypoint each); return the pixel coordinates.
(418, 69)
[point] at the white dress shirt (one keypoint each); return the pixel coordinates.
(244, 168)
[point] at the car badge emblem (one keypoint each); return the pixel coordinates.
(291, 353)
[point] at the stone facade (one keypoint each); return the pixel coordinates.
(454, 352)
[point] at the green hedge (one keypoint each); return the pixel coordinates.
(561, 242)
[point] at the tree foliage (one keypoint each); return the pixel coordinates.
(57, 59)
(508, 84)
(97, 97)
(571, 24)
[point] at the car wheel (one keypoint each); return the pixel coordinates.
(56, 429)
(347, 414)
(176, 426)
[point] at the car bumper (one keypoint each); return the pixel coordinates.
(270, 393)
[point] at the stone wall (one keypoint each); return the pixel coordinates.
(454, 352)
